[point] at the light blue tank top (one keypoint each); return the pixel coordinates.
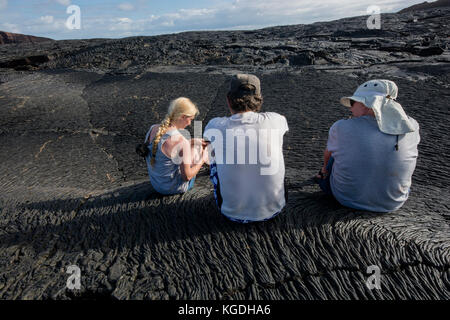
(165, 176)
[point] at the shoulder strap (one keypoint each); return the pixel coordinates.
(147, 141)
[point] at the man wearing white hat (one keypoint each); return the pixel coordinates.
(370, 158)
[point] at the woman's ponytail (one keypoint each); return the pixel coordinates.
(165, 124)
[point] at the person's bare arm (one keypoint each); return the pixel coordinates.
(189, 167)
(326, 158)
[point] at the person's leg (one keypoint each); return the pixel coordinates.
(324, 183)
(249, 221)
(191, 184)
(239, 221)
(214, 177)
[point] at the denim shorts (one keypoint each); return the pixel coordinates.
(191, 184)
(324, 184)
(214, 177)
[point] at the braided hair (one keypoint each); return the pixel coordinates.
(165, 124)
(177, 108)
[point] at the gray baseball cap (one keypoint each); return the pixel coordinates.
(239, 80)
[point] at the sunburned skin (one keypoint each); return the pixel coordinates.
(358, 110)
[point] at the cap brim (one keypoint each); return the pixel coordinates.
(345, 101)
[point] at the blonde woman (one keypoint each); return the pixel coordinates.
(167, 147)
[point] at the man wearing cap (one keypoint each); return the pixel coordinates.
(247, 164)
(370, 158)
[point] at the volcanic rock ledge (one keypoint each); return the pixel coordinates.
(8, 37)
(417, 37)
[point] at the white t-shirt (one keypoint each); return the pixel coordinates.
(368, 172)
(248, 152)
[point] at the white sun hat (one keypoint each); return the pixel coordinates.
(380, 95)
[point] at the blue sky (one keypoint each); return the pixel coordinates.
(124, 18)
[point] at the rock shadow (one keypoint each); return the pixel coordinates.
(137, 215)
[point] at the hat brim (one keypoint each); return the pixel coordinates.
(390, 116)
(345, 101)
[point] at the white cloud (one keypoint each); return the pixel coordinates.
(47, 19)
(126, 6)
(223, 15)
(3, 4)
(10, 27)
(189, 13)
(64, 2)
(181, 18)
(255, 14)
(45, 26)
(247, 14)
(124, 20)
(121, 24)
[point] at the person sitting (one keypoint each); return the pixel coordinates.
(172, 160)
(370, 158)
(246, 163)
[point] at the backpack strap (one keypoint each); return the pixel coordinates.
(142, 148)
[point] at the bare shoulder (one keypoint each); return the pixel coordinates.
(173, 141)
(176, 139)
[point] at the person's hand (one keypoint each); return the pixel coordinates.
(323, 173)
(205, 143)
(205, 155)
(196, 149)
(196, 141)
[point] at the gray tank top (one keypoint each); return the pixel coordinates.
(165, 176)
